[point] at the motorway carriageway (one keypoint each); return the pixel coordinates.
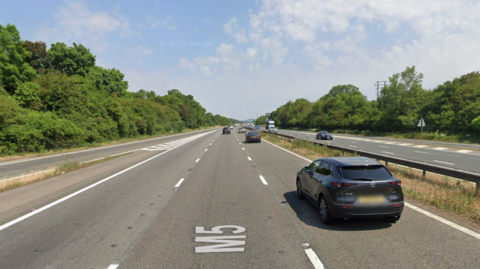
(211, 202)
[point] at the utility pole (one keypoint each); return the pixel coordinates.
(379, 85)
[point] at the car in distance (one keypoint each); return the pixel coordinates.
(257, 127)
(324, 135)
(242, 130)
(226, 130)
(351, 187)
(253, 137)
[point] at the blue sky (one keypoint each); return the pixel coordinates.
(241, 59)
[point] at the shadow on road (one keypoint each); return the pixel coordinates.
(308, 213)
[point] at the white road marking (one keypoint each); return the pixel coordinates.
(384, 147)
(420, 146)
(243, 148)
(250, 159)
(433, 216)
(26, 216)
(301, 157)
(113, 266)
(210, 144)
(443, 162)
(179, 182)
(405, 144)
(421, 152)
(206, 149)
(352, 146)
(464, 151)
(440, 148)
(389, 143)
(313, 257)
(354, 142)
(197, 160)
(263, 180)
(388, 152)
(444, 221)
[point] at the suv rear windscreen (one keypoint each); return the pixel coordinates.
(373, 173)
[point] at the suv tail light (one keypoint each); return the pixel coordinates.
(340, 185)
(398, 183)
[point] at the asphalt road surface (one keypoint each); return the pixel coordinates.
(211, 202)
(464, 157)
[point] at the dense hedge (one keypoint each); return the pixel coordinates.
(58, 98)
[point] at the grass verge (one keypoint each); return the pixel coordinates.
(68, 166)
(443, 193)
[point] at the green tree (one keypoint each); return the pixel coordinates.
(76, 60)
(39, 59)
(13, 68)
(401, 101)
(108, 80)
(26, 95)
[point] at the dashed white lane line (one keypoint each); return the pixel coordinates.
(250, 159)
(442, 220)
(352, 146)
(464, 151)
(405, 144)
(388, 152)
(179, 182)
(206, 149)
(210, 144)
(197, 160)
(423, 152)
(443, 162)
(313, 256)
(384, 147)
(439, 148)
(113, 266)
(263, 180)
(243, 148)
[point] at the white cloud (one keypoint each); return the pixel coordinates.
(301, 48)
(184, 63)
(74, 22)
(144, 50)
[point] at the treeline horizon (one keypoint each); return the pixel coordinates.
(57, 98)
(452, 108)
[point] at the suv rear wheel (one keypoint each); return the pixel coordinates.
(325, 216)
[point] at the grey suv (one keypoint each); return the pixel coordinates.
(345, 187)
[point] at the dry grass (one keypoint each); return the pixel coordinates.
(22, 180)
(443, 193)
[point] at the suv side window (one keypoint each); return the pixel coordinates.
(313, 166)
(324, 169)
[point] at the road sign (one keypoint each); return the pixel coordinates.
(421, 123)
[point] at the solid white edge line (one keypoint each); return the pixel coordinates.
(314, 258)
(179, 182)
(442, 220)
(33, 213)
(301, 157)
(113, 266)
(263, 180)
(26, 216)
